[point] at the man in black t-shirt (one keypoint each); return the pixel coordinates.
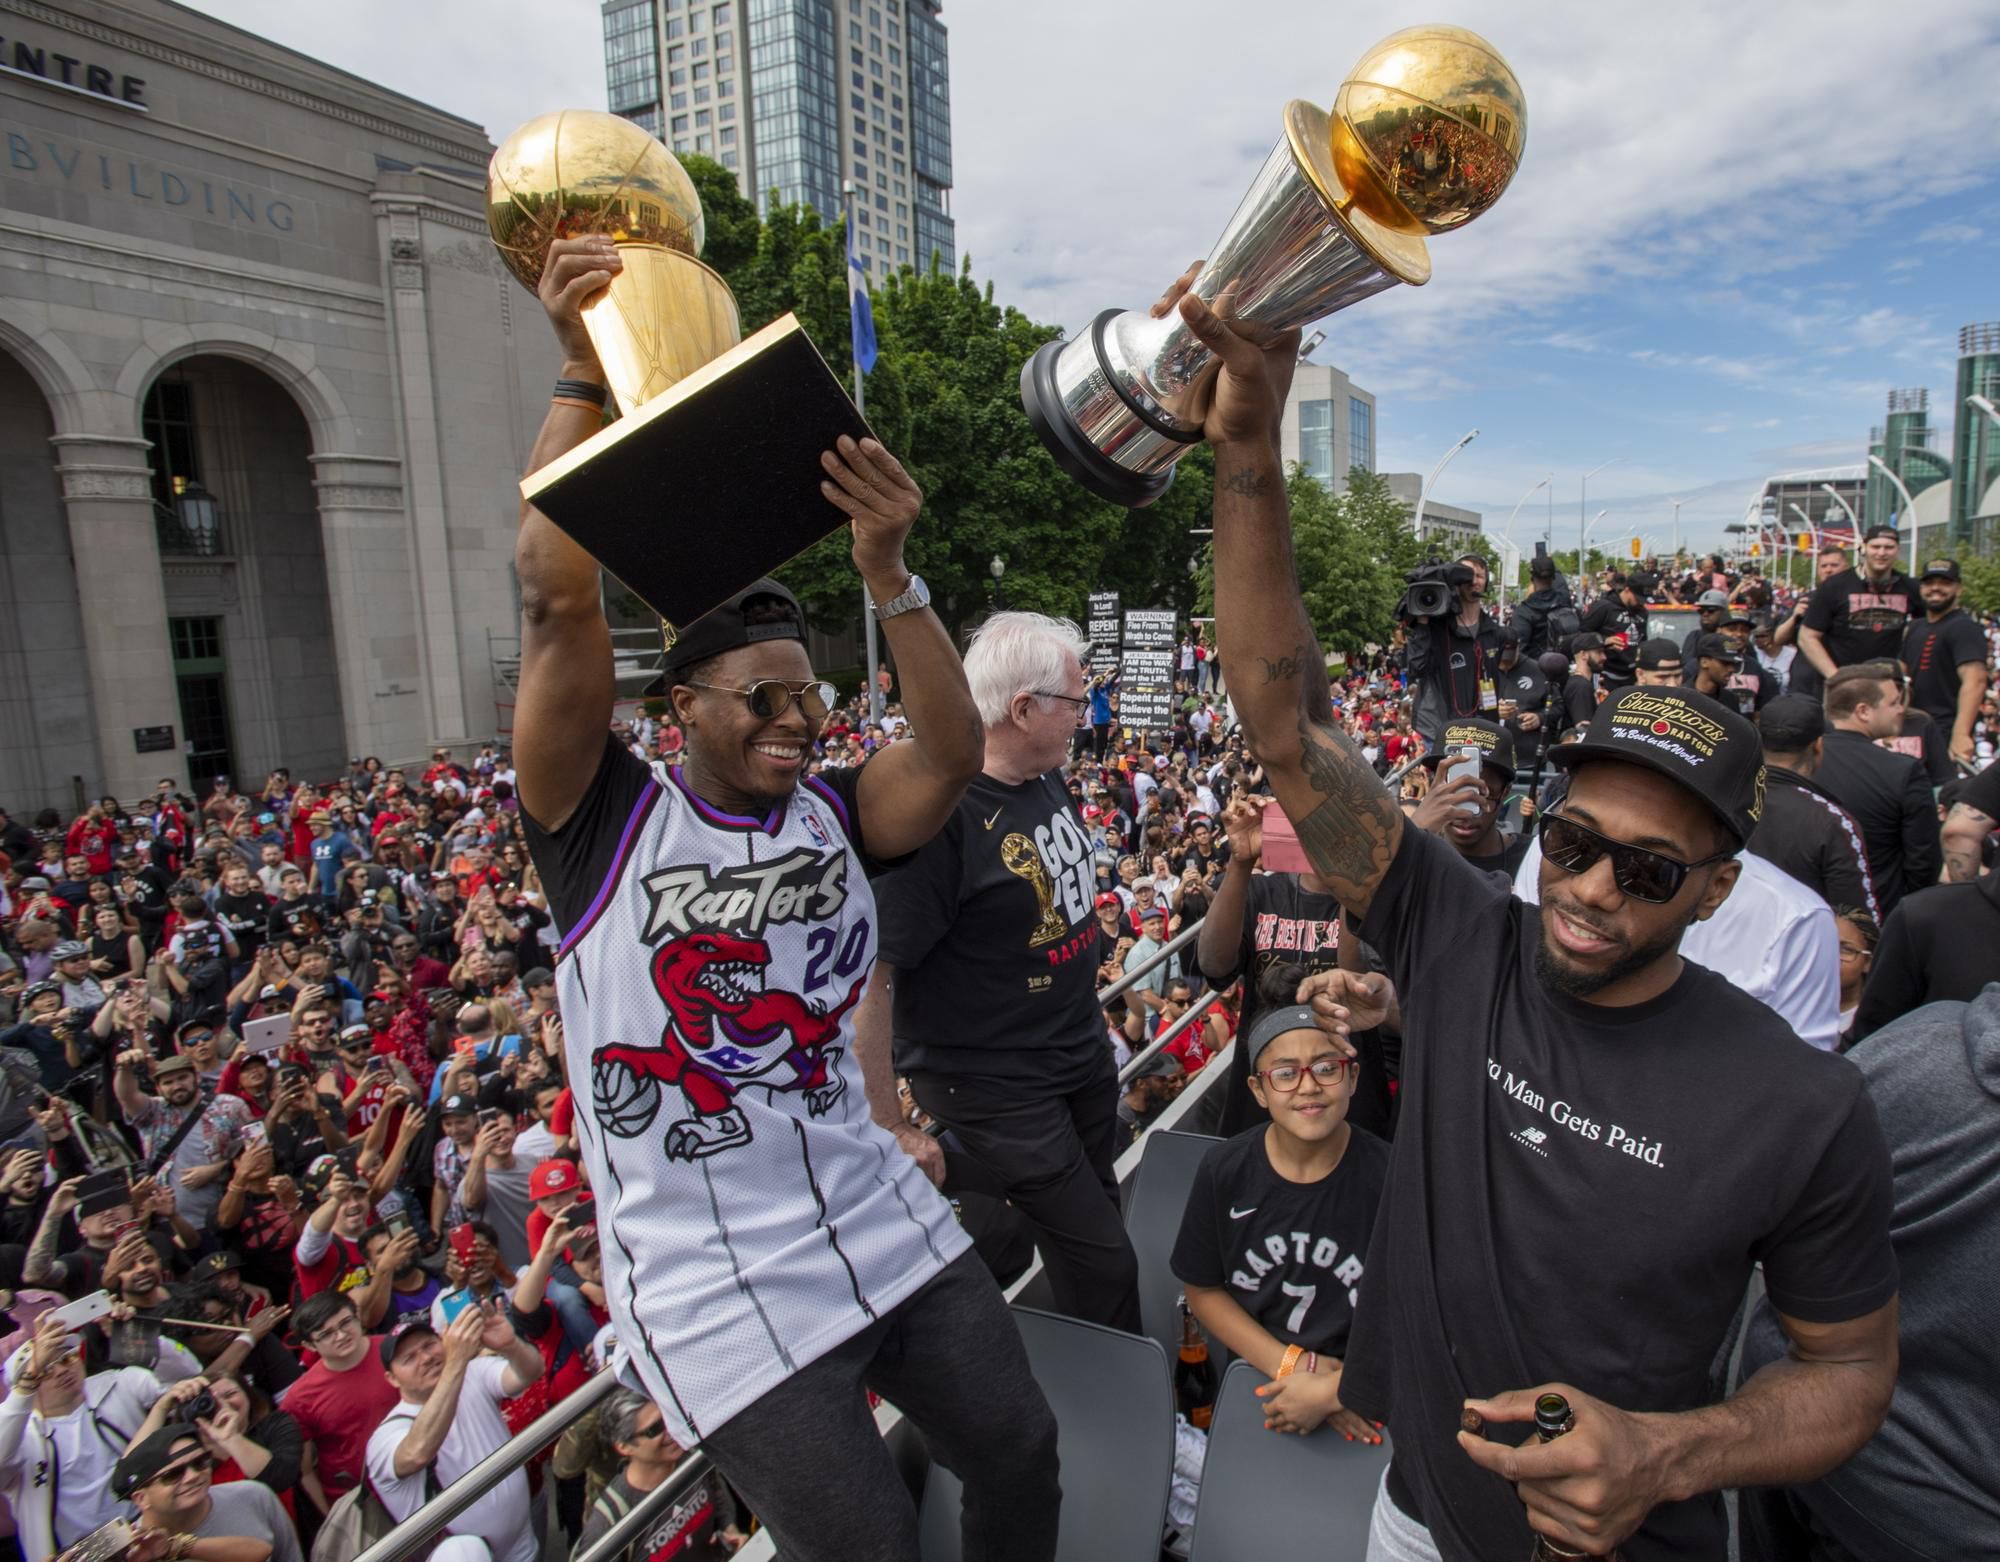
(1945, 652)
(1619, 618)
(1597, 1141)
(991, 931)
(1859, 615)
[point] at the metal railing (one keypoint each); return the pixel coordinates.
(1167, 1037)
(1166, 951)
(424, 1526)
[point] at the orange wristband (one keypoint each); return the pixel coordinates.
(1291, 1360)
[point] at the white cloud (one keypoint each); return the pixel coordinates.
(1949, 233)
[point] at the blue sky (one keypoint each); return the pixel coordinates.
(1735, 229)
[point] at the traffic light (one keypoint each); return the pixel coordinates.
(1635, 548)
(1805, 542)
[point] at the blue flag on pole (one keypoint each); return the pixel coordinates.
(861, 316)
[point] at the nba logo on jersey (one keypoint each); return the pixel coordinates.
(814, 829)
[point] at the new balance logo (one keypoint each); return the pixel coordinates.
(1533, 1138)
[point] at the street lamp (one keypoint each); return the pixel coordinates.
(996, 567)
(1909, 504)
(1852, 519)
(1677, 534)
(200, 517)
(1583, 545)
(1582, 489)
(1423, 493)
(1509, 532)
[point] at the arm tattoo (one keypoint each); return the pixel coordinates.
(1248, 484)
(1284, 670)
(1351, 837)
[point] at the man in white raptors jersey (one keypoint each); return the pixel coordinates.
(769, 1251)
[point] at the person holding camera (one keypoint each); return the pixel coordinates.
(217, 1410)
(168, 1475)
(1452, 645)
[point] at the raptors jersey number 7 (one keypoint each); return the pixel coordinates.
(752, 1216)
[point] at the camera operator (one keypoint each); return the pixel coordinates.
(1620, 612)
(1452, 651)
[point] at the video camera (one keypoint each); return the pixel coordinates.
(1433, 589)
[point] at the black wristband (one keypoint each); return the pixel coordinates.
(580, 390)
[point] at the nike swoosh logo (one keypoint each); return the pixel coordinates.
(1238, 1214)
(996, 814)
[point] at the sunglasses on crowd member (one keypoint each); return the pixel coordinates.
(653, 1429)
(172, 1476)
(772, 697)
(1287, 1077)
(1639, 873)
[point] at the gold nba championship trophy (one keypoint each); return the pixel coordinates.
(718, 438)
(1425, 134)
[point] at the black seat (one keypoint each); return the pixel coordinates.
(1153, 1220)
(1270, 1494)
(1114, 1407)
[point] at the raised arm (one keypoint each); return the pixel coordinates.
(563, 708)
(907, 791)
(1346, 820)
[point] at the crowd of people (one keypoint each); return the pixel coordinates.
(745, 1043)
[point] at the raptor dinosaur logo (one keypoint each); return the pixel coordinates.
(722, 1033)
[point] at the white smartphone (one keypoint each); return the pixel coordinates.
(267, 1035)
(1464, 763)
(85, 1309)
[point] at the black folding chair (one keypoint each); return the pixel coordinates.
(1271, 1494)
(1114, 1408)
(1153, 1219)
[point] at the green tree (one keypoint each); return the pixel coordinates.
(1982, 585)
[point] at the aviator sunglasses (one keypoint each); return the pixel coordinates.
(772, 697)
(1639, 873)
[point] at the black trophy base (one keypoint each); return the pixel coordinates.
(712, 484)
(1075, 454)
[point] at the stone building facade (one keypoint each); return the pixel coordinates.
(265, 395)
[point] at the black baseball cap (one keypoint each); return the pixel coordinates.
(1718, 648)
(151, 1457)
(1693, 741)
(1881, 531)
(1585, 642)
(723, 629)
(1945, 569)
(1657, 655)
(1738, 614)
(409, 1326)
(458, 1106)
(1509, 635)
(1790, 723)
(1494, 742)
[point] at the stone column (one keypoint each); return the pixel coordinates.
(364, 522)
(428, 550)
(107, 488)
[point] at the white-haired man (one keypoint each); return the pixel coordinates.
(990, 934)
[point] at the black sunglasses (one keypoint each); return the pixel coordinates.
(1639, 873)
(772, 697)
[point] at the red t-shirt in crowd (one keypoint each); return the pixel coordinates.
(338, 1411)
(340, 1268)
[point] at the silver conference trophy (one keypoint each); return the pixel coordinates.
(1425, 134)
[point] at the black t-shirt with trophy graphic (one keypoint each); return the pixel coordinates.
(993, 939)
